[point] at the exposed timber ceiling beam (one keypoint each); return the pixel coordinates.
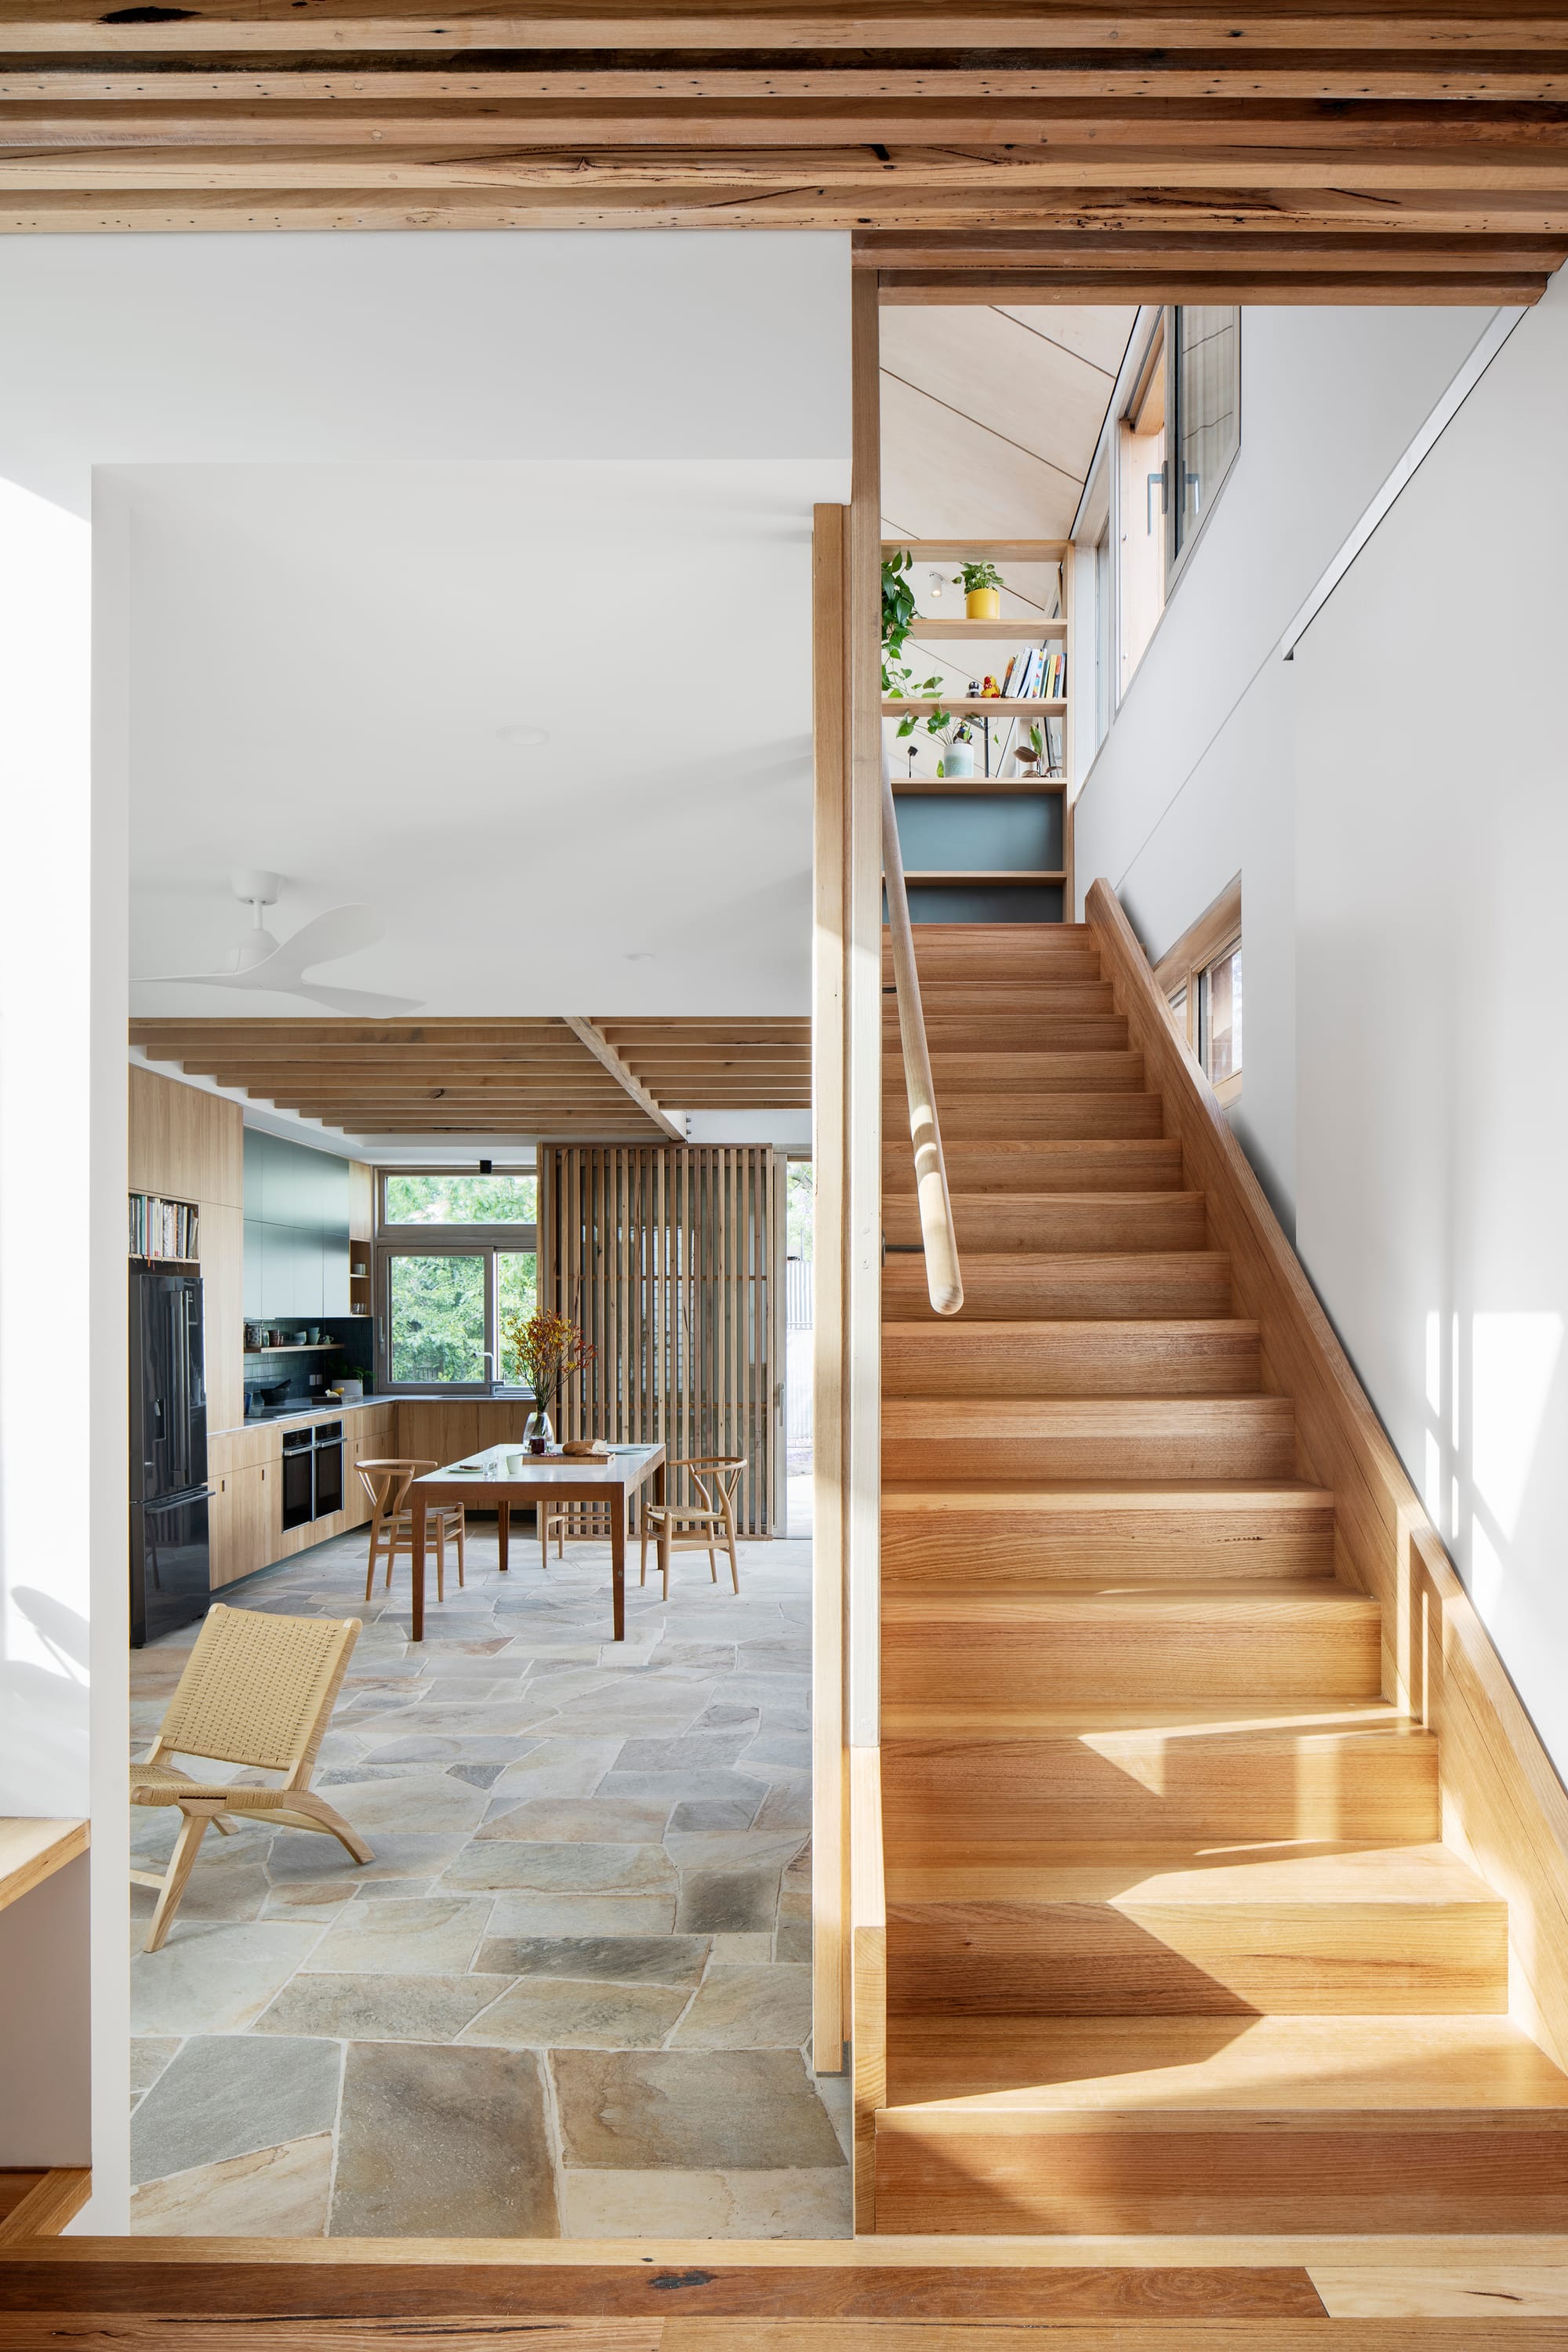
(599, 1045)
(1355, 151)
(526, 1077)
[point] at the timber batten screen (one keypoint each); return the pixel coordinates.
(672, 1261)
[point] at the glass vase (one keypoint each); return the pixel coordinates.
(539, 1437)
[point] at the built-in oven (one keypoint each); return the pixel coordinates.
(298, 1484)
(329, 1459)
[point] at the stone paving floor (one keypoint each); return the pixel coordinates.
(571, 1994)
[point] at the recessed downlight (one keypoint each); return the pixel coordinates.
(522, 734)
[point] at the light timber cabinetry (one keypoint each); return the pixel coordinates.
(187, 1145)
(245, 1470)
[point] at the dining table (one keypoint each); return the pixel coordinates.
(505, 1479)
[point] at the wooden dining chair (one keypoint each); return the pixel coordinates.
(391, 1520)
(592, 1523)
(707, 1524)
(257, 1691)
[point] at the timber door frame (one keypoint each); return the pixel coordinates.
(846, 1097)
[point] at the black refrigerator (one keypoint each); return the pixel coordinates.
(169, 1488)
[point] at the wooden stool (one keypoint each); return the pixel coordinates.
(717, 1478)
(392, 1520)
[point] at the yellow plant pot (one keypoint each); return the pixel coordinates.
(983, 604)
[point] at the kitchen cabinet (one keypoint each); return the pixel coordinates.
(254, 1309)
(368, 1436)
(245, 1521)
(297, 1211)
(443, 1433)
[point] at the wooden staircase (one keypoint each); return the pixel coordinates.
(1173, 1942)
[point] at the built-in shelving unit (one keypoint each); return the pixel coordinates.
(362, 1226)
(952, 874)
(1011, 632)
(163, 1231)
(298, 1347)
(1016, 859)
(977, 706)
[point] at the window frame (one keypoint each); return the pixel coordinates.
(1131, 496)
(1178, 550)
(1183, 973)
(385, 1226)
(483, 1240)
(1156, 332)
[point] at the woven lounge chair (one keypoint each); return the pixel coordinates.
(258, 1691)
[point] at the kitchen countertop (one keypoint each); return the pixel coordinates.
(280, 1416)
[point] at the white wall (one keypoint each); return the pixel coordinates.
(47, 1340)
(1431, 852)
(136, 350)
(1194, 780)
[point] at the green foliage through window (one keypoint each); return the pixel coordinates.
(438, 1318)
(451, 1200)
(443, 1319)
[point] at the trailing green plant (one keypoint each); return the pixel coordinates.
(972, 576)
(899, 683)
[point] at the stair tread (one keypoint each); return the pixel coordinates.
(1121, 1494)
(1027, 1604)
(1142, 1877)
(1143, 1328)
(1021, 1409)
(979, 1719)
(975, 2073)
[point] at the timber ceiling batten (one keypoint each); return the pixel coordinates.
(1060, 154)
(526, 1077)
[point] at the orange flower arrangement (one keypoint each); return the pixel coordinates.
(544, 1350)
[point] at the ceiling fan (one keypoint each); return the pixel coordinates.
(262, 962)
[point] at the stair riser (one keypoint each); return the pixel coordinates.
(1068, 1118)
(1080, 1164)
(983, 1060)
(967, 1362)
(1126, 1659)
(1215, 1439)
(1065, 952)
(1153, 1221)
(1017, 1289)
(1060, 1031)
(1263, 2173)
(1009, 1082)
(1148, 1787)
(1085, 1960)
(1034, 1000)
(1033, 1547)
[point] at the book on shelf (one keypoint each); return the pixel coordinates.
(163, 1229)
(1035, 676)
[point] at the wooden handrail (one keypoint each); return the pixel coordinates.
(943, 1280)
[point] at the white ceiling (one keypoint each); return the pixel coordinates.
(990, 417)
(327, 668)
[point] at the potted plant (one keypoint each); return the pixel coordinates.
(982, 585)
(1032, 754)
(544, 1348)
(956, 737)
